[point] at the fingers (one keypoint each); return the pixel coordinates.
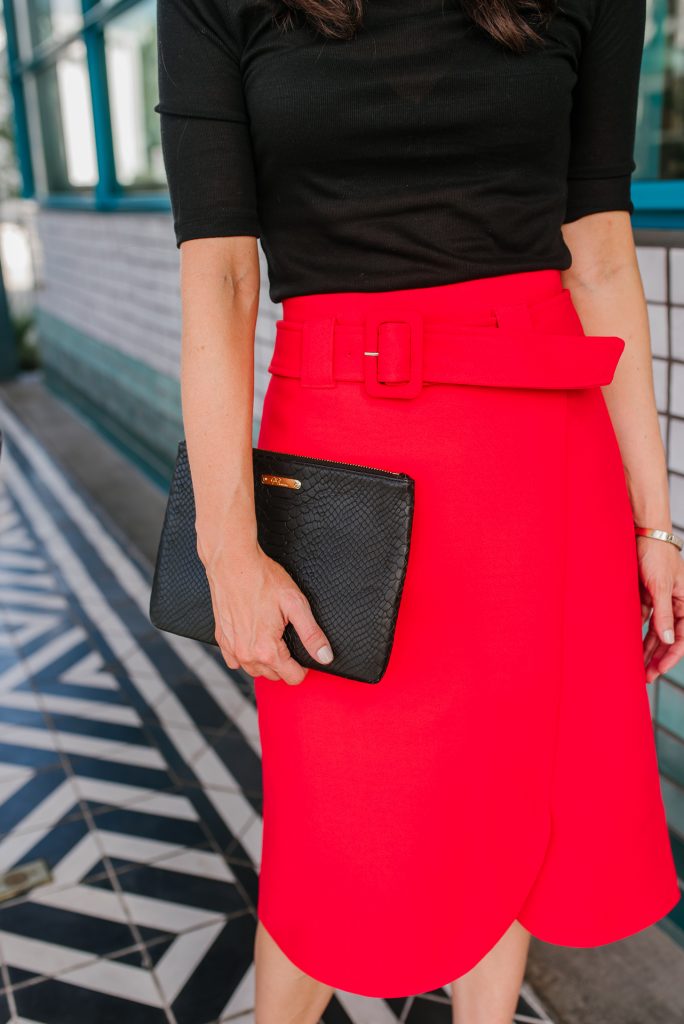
(276, 663)
(271, 659)
(257, 644)
(651, 645)
(667, 655)
(298, 611)
(663, 616)
(661, 634)
(290, 670)
(653, 666)
(271, 656)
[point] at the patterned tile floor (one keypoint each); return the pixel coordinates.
(129, 761)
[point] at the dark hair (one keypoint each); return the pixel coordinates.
(507, 21)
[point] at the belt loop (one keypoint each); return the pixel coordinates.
(513, 316)
(316, 366)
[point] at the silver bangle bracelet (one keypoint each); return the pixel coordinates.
(671, 538)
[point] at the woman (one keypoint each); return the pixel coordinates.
(453, 180)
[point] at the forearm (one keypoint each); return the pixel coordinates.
(613, 303)
(217, 393)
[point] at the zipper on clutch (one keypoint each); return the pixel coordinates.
(338, 462)
(314, 459)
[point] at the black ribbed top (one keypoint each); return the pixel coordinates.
(421, 152)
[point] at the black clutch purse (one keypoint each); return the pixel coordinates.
(342, 531)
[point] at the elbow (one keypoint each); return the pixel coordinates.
(602, 248)
(229, 264)
(241, 284)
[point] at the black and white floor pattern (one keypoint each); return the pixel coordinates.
(129, 761)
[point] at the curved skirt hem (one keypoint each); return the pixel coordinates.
(630, 925)
(553, 937)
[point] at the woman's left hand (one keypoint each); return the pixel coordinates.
(661, 584)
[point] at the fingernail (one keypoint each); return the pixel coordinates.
(325, 654)
(668, 636)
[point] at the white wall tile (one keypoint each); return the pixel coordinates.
(677, 276)
(676, 389)
(677, 500)
(653, 267)
(660, 384)
(662, 420)
(116, 278)
(677, 331)
(676, 452)
(659, 325)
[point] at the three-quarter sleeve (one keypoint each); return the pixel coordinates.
(604, 110)
(206, 143)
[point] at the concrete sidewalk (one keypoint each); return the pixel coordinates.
(188, 725)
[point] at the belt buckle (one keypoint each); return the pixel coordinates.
(372, 340)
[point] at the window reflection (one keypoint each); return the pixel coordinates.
(61, 122)
(659, 150)
(53, 19)
(60, 106)
(131, 54)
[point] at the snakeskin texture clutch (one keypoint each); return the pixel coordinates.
(342, 531)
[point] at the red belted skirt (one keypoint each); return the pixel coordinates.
(504, 767)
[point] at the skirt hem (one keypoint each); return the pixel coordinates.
(640, 922)
(574, 942)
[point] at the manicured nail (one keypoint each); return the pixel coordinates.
(325, 654)
(668, 636)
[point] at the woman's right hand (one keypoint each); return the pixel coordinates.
(254, 598)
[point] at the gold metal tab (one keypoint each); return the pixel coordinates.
(281, 481)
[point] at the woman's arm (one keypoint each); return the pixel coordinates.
(220, 297)
(206, 142)
(253, 596)
(608, 293)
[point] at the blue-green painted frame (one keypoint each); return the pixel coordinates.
(20, 119)
(107, 194)
(657, 204)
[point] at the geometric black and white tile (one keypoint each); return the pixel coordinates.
(129, 762)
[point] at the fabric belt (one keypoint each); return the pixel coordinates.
(537, 344)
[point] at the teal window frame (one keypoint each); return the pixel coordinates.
(657, 203)
(107, 193)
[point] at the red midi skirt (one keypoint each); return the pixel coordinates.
(504, 767)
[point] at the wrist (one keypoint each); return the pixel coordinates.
(653, 522)
(662, 535)
(232, 536)
(655, 515)
(650, 500)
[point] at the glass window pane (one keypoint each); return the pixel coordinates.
(131, 54)
(61, 122)
(53, 19)
(659, 151)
